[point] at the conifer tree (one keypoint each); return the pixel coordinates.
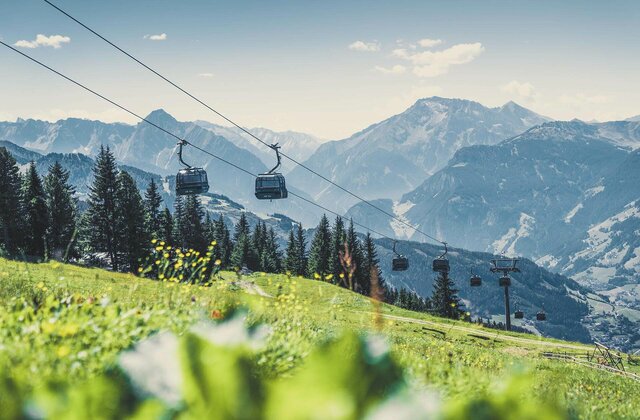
(444, 300)
(320, 252)
(270, 258)
(223, 247)
(190, 224)
(132, 237)
(10, 223)
(35, 214)
(166, 226)
(242, 247)
(354, 246)
(291, 259)
(338, 239)
(301, 246)
(61, 208)
(101, 217)
(258, 240)
(371, 263)
(178, 219)
(152, 202)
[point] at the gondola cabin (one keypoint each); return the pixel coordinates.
(519, 314)
(504, 281)
(191, 181)
(271, 187)
(541, 316)
(441, 265)
(475, 281)
(399, 263)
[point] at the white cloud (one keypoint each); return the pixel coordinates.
(365, 46)
(54, 41)
(436, 63)
(397, 69)
(523, 90)
(205, 75)
(159, 37)
(428, 43)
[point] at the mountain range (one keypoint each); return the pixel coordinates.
(395, 156)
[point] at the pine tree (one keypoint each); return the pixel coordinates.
(258, 240)
(178, 219)
(270, 258)
(61, 208)
(301, 245)
(360, 283)
(191, 230)
(242, 247)
(132, 237)
(101, 218)
(371, 264)
(223, 247)
(152, 201)
(320, 251)
(10, 223)
(35, 214)
(444, 300)
(166, 226)
(338, 239)
(291, 259)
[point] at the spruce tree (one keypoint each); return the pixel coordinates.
(152, 201)
(166, 226)
(320, 252)
(360, 283)
(270, 258)
(444, 301)
(10, 217)
(61, 208)
(301, 245)
(291, 259)
(101, 218)
(35, 214)
(338, 239)
(223, 247)
(371, 263)
(178, 219)
(190, 224)
(132, 237)
(242, 247)
(258, 240)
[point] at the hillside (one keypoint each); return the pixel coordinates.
(98, 314)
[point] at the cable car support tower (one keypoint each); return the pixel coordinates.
(505, 266)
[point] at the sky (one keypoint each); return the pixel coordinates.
(328, 68)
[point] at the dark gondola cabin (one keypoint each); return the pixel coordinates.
(541, 316)
(504, 281)
(191, 181)
(475, 281)
(519, 314)
(271, 187)
(441, 265)
(399, 263)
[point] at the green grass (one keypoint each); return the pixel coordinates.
(86, 317)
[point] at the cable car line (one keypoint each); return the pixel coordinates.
(181, 141)
(238, 126)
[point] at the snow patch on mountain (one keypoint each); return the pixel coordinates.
(572, 213)
(400, 229)
(507, 243)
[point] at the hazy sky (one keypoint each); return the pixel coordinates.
(329, 68)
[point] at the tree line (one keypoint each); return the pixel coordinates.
(39, 220)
